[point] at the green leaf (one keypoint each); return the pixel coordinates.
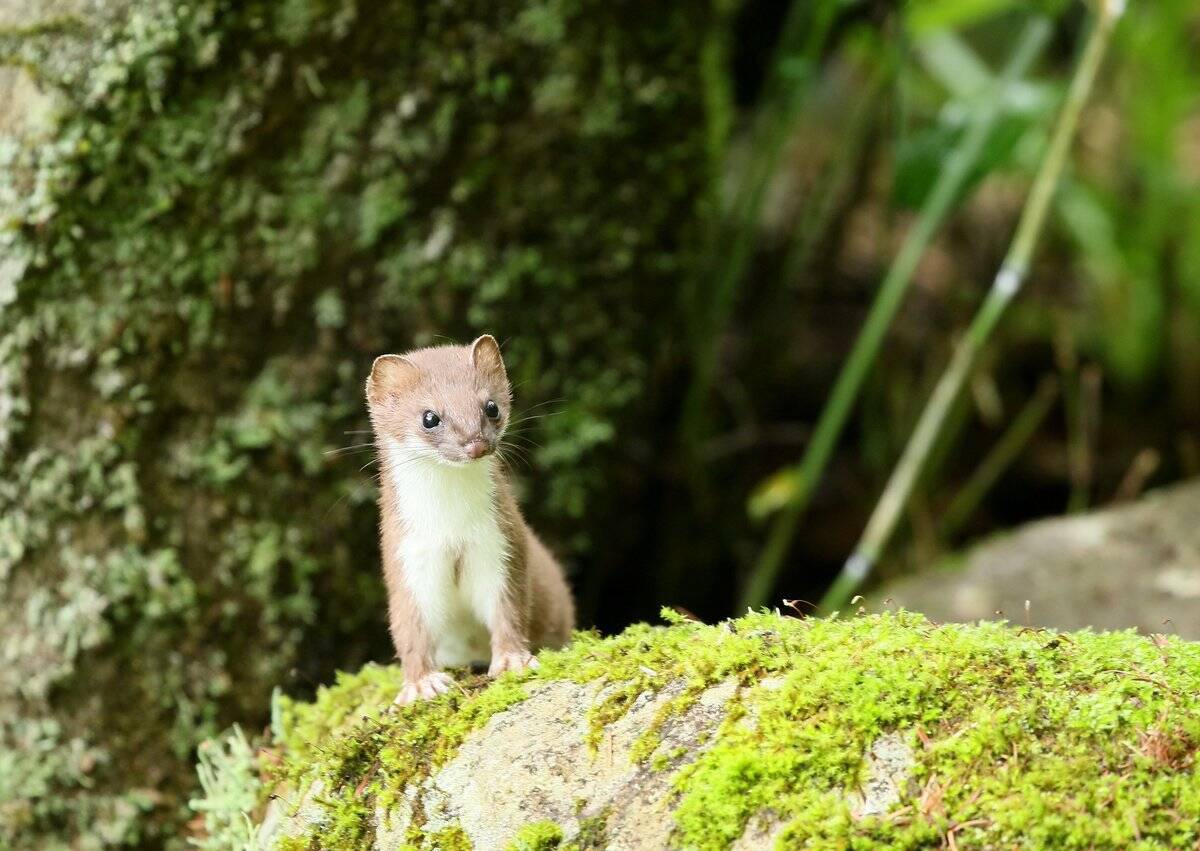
(920, 158)
(778, 490)
(926, 16)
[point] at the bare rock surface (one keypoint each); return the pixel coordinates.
(1134, 565)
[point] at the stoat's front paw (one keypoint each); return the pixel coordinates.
(513, 660)
(428, 686)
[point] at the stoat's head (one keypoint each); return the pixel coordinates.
(450, 404)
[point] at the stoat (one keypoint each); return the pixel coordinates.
(467, 579)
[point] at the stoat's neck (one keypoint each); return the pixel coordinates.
(447, 500)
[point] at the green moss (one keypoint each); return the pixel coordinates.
(1034, 738)
(593, 833)
(538, 836)
(1019, 736)
(292, 843)
(451, 839)
(403, 741)
(663, 759)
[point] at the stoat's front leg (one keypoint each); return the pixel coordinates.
(410, 630)
(509, 625)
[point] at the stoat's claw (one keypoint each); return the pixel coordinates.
(516, 660)
(427, 687)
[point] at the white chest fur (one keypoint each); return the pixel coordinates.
(453, 551)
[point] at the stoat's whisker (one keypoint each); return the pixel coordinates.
(525, 443)
(346, 450)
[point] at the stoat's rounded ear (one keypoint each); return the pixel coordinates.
(485, 355)
(391, 374)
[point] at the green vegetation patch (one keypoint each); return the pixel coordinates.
(539, 836)
(1018, 735)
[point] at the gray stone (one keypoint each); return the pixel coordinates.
(1134, 565)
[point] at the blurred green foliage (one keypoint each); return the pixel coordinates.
(1109, 308)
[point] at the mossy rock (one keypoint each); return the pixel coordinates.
(213, 214)
(876, 731)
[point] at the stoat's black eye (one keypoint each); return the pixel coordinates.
(492, 410)
(430, 420)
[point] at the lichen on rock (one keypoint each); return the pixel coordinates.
(884, 731)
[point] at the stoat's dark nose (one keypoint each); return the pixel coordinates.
(477, 448)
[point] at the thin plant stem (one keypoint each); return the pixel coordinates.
(1144, 465)
(1007, 283)
(849, 381)
(1000, 458)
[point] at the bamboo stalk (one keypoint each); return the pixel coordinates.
(845, 391)
(1006, 285)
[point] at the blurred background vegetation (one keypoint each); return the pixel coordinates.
(1086, 393)
(675, 219)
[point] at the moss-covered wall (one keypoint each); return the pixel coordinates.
(238, 206)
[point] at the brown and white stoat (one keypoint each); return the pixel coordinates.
(467, 579)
